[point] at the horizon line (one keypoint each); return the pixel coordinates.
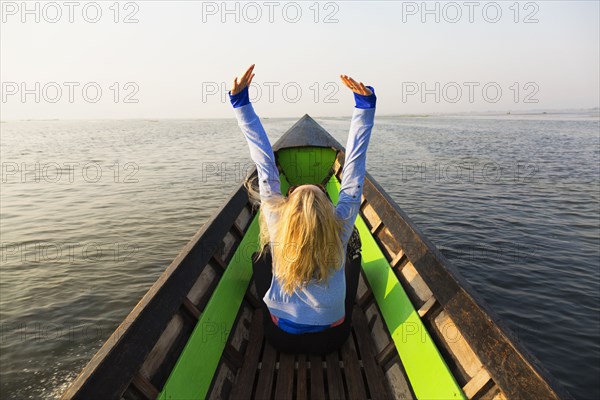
(536, 111)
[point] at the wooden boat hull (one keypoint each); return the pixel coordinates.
(420, 330)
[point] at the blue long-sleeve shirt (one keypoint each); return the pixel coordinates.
(319, 304)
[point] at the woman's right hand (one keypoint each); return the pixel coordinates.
(356, 87)
(244, 81)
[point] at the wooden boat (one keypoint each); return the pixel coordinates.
(419, 330)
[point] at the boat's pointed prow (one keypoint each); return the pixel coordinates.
(307, 132)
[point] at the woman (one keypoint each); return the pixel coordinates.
(301, 273)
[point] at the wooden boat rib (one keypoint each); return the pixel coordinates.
(419, 329)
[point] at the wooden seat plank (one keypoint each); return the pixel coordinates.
(352, 373)
(317, 383)
(285, 377)
(302, 379)
(267, 370)
(245, 379)
(373, 371)
(335, 384)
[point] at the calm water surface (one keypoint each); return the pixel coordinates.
(93, 211)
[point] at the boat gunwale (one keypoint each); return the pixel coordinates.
(142, 321)
(452, 301)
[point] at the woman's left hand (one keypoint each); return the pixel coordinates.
(356, 87)
(244, 81)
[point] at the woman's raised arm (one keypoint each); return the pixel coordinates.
(261, 151)
(353, 173)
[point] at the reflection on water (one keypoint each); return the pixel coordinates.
(93, 211)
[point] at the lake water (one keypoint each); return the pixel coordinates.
(93, 211)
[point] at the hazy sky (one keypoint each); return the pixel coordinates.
(179, 58)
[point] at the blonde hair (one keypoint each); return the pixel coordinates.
(307, 244)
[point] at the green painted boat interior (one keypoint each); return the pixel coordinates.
(425, 367)
(306, 164)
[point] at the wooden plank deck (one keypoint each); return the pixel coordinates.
(350, 373)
